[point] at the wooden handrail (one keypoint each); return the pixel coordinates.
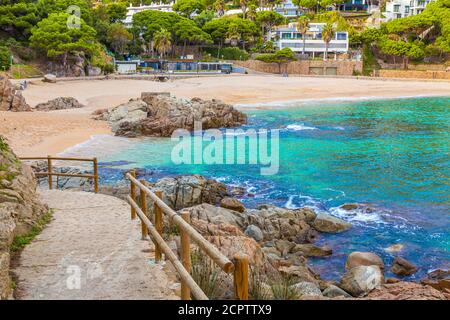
(50, 173)
(218, 257)
(188, 285)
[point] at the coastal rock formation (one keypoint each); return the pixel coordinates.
(327, 223)
(406, 291)
(361, 280)
(308, 289)
(20, 208)
(232, 204)
(11, 98)
(187, 191)
(60, 103)
(254, 232)
(403, 267)
(159, 115)
(333, 291)
(357, 258)
(440, 280)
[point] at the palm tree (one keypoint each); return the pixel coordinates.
(251, 14)
(243, 4)
(163, 41)
(302, 28)
(219, 7)
(233, 34)
(327, 35)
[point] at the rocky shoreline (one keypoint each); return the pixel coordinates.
(157, 114)
(279, 242)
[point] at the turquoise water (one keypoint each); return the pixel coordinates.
(392, 155)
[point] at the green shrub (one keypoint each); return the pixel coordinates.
(5, 58)
(20, 242)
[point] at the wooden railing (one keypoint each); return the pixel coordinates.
(50, 173)
(239, 267)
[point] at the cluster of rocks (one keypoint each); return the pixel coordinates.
(11, 98)
(20, 208)
(60, 103)
(159, 115)
(279, 241)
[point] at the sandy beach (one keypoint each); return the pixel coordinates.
(43, 133)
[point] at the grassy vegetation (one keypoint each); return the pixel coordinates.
(3, 145)
(20, 242)
(258, 288)
(205, 273)
(283, 289)
(19, 71)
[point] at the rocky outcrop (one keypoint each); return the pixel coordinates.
(333, 291)
(327, 223)
(60, 103)
(11, 98)
(232, 204)
(361, 280)
(406, 291)
(159, 115)
(307, 289)
(403, 267)
(357, 258)
(20, 208)
(187, 191)
(440, 280)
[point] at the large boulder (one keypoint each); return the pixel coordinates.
(403, 267)
(311, 250)
(214, 215)
(51, 78)
(20, 208)
(327, 223)
(165, 114)
(232, 204)
(254, 232)
(60, 103)
(333, 291)
(280, 223)
(438, 279)
(357, 258)
(406, 291)
(361, 280)
(11, 98)
(190, 190)
(307, 289)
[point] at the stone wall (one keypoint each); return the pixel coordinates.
(415, 74)
(20, 208)
(307, 67)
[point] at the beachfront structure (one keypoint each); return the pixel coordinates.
(126, 67)
(166, 7)
(354, 5)
(288, 9)
(289, 37)
(403, 8)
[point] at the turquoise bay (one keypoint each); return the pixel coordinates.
(392, 155)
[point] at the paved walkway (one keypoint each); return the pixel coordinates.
(90, 250)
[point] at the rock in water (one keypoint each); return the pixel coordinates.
(333, 292)
(60, 103)
(310, 250)
(11, 98)
(20, 208)
(308, 289)
(232, 204)
(361, 280)
(254, 232)
(165, 114)
(327, 223)
(356, 259)
(403, 267)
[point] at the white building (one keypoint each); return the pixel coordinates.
(289, 37)
(288, 9)
(403, 8)
(153, 6)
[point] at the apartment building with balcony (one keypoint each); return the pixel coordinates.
(289, 37)
(403, 8)
(128, 22)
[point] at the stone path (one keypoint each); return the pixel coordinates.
(90, 250)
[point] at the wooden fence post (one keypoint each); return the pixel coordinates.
(241, 277)
(95, 175)
(133, 194)
(49, 170)
(144, 209)
(158, 225)
(185, 256)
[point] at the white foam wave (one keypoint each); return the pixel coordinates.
(358, 215)
(299, 127)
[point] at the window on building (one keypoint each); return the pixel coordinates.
(406, 9)
(286, 35)
(341, 36)
(396, 8)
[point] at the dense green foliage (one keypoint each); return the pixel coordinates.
(228, 53)
(5, 58)
(280, 57)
